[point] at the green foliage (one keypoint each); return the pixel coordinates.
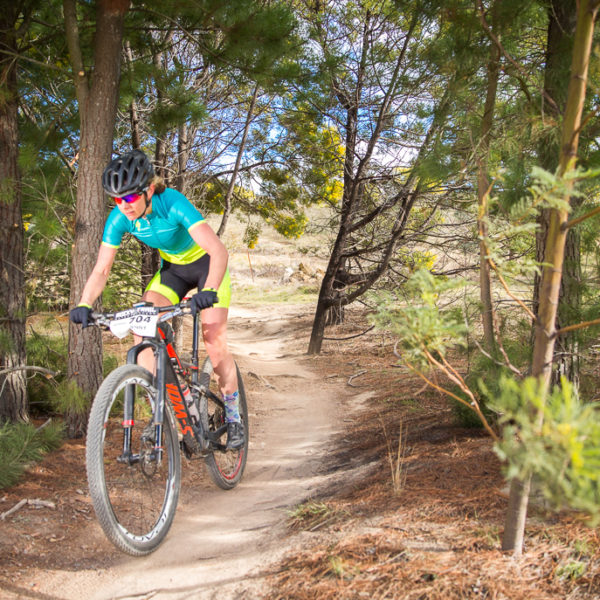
(251, 235)
(70, 399)
(6, 342)
(485, 375)
(312, 514)
(555, 437)
(48, 221)
(421, 326)
(309, 510)
(124, 286)
(49, 352)
(109, 363)
(49, 395)
(511, 230)
(571, 570)
(21, 444)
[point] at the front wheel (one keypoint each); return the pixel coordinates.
(225, 467)
(134, 497)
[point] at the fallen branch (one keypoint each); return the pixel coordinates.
(350, 337)
(49, 374)
(32, 502)
(45, 424)
(355, 376)
(261, 379)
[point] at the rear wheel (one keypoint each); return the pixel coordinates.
(225, 467)
(135, 498)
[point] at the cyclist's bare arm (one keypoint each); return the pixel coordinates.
(99, 276)
(206, 238)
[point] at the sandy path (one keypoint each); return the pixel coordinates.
(219, 539)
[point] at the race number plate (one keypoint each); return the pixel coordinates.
(142, 321)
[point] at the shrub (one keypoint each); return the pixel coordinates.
(21, 444)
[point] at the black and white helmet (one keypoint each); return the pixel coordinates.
(127, 174)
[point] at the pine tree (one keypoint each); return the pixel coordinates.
(97, 94)
(13, 389)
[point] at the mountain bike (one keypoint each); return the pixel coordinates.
(140, 424)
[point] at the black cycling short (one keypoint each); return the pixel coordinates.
(175, 281)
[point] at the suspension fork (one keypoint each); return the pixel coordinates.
(160, 353)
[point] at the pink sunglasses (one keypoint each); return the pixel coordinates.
(129, 198)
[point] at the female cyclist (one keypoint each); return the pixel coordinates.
(192, 257)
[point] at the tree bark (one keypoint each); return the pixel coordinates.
(13, 386)
(98, 109)
(566, 355)
(545, 326)
(134, 118)
(483, 184)
(238, 162)
(327, 293)
(562, 16)
(180, 181)
(330, 294)
(350, 196)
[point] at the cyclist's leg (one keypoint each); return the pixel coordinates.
(214, 333)
(146, 357)
(165, 288)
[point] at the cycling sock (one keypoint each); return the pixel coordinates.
(232, 411)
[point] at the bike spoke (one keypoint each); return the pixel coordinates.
(134, 489)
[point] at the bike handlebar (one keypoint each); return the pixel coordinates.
(181, 308)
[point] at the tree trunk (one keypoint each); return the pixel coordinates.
(180, 181)
(13, 386)
(335, 313)
(97, 109)
(545, 327)
(562, 16)
(134, 118)
(150, 263)
(238, 162)
(181, 184)
(483, 184)
(328, 294)
(566, 356)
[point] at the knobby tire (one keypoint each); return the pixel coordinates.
(225, 468)
(135, 503)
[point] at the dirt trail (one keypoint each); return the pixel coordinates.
(220, 538)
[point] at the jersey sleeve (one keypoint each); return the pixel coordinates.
(113, 229)
(183, 211)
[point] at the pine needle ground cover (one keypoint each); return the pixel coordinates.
(438, 536)
(434, 533)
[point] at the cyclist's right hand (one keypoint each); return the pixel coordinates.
(203, 299)
(81, 314)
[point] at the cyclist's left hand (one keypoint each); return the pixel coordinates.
(81, 314)
(203, 299)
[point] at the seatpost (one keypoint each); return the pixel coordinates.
(195, 348)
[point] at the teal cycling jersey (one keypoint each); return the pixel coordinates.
(166, 227)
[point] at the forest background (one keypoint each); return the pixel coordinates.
(450, 147)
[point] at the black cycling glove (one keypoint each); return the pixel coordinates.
(81, 314)
(203, 299)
